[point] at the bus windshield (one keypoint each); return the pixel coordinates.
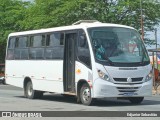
(118, 46)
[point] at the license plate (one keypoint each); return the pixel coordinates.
(129, 94)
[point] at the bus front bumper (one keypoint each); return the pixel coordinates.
(103, 89)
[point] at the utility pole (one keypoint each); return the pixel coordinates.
(156, 37)
(156, 47)
(142, 29)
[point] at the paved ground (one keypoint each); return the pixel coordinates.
(11, 99)
(157, 91)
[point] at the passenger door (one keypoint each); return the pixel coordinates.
(69, 62)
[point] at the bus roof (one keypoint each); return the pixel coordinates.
(82, 25)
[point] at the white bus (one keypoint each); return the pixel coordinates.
(88, 59)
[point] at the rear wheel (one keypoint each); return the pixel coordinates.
(30, 93)
(136, 100)
(85, 95)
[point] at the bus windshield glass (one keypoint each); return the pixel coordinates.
(118, 46)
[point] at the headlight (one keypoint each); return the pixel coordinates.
(103, 75)
(149, 76)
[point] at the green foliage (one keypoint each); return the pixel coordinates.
(53, 13)
(16, 15)
(11, 13)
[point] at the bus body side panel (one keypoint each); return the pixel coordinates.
(45, 75)
(82, 73)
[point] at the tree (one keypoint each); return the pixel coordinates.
(16, 15)
(52, 13)
(11, 13)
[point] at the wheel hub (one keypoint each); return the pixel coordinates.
(30, 90)
(86, 94)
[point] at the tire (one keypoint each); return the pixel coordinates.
(85, 95)
(136, 100)
(30, 93)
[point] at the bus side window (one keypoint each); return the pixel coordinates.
(10, 50)
(21, 48)
(83, 52)
(37, 43)
(37, 40)
(55, 46)
(11, 43)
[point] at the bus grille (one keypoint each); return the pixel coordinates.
(127, 89)
(139, 79)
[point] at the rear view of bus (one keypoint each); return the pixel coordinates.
(121, 63)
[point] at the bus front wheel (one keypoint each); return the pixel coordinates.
(136, 100)
(31, 93)
(85, 95)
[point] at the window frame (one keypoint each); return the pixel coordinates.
(12, 49)
(50, 33)
(38, 34)
(77, 58)
(48, 47)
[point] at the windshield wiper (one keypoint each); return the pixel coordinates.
(109, 61)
